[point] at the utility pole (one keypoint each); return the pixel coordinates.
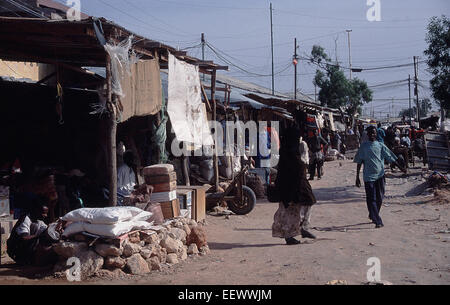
(416, 90)
(315, 93)
(295, 61)
(409, 92)
(203, 51)
(393, 112)
(349, 53)
(271, 43)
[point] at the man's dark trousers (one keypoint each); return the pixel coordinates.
(374, 199)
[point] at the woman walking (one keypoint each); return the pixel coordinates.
(294, 192)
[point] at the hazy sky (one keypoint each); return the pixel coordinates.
(240, 31)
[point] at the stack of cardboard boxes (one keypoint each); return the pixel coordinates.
(163, 178)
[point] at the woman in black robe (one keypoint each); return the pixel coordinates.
(294, 191)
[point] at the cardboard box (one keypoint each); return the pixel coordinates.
(185, 198)
(170, 209)
(165, 186)
(163, 196)
(158, 169)
(198, 210)
(152, 180)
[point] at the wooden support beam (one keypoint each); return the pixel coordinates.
(215, 160)
(112, 130)
(208, 105)
(46, 78)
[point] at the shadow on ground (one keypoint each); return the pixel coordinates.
(29, 272)
(346, 228)
(225, 246)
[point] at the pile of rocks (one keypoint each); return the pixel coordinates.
(137, 253)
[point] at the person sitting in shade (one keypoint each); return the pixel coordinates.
(126, 177)
(27, 243)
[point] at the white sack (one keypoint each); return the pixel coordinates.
(107, 230)
(108, 215)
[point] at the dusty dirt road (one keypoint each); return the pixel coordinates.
(413, 247)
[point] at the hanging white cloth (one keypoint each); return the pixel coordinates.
(185, 107)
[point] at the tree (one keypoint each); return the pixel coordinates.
(336, 91)
(425, 107)
(438, 59)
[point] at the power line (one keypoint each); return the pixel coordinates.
(5, 8)
(221, 57)
(389, 83)
(152, 27)
(156, 18)
(25, 8)
(237, 59)
(343, 19)
(208, 6)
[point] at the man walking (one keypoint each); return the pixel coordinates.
(315, 146)
(372, 154)
(380, 134)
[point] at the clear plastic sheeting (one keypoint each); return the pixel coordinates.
(121, 62)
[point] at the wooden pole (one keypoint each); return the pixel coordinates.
(213, 101)
(205, 97)
(112, 130)
(185, 170)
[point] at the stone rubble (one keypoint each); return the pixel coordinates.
(140, 253)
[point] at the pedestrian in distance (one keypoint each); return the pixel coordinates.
(373, 154)
(317, 158)
(380, 134)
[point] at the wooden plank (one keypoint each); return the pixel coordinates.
(205, 96)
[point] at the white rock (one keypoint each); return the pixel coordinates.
(171, 245)
(187, 229)
(193, 249)
(152, 239)
(183, 254)
(179, 234)
(115, 262)
(146, 253)
(107, 250)
(172, 258)
(137, 265)
(192, 222)
(130, 249)
(70, 249)
(154, 263)
(90, 263)
(204, 250)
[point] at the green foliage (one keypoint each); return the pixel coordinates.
(438, 59)
(425, 107)
(336, 91)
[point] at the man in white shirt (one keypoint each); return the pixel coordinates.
(304, 152)
(126, 177)
(23, 244)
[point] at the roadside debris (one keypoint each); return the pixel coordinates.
(337, 282)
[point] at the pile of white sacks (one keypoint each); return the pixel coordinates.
(130, 242)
